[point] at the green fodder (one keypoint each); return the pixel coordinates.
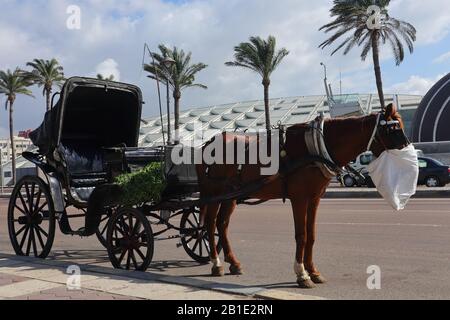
(143, 186)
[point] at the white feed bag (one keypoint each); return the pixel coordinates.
(395, 174)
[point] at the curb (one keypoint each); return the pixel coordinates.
(237, 290)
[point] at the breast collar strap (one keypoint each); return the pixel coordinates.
(314, 138)
(374, 133)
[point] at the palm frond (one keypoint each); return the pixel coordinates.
(258, 55)
(351, 15)
(13, 83)
(46, 73)
(181, 75)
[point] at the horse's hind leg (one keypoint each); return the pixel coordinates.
(210, 220)
(300, 208)
(315, 275)
(223, 222)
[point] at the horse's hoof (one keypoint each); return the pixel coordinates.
(318, 279)
(236, 270)
(306, 284)
(217, 271)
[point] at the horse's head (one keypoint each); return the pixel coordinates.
(389, 132)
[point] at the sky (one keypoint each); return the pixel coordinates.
(112, 33)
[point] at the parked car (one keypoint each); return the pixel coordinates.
(433, 173)
(359, 165)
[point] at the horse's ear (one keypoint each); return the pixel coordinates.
(390, 111)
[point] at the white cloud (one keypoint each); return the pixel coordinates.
(114, 31)
(107, 68)
(431, 19)
(442, 58)
(415, 85)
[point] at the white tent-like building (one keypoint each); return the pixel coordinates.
(242, 116)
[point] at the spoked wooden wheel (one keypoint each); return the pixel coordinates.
(130, 240)
(31, 218)
(103, 227)
(194, 237)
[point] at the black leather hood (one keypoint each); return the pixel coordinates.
(97, 112)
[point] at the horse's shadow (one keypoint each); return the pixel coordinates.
(95, 257)
(100, 258)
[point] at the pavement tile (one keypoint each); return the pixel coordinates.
(200, 295)
(153, 290)
(62, 293)
(7, 279)
(284, 295)
(25, 288)
(134, 287)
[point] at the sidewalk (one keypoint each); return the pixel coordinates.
(24, 278)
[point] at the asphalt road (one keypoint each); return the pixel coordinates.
(412, 249)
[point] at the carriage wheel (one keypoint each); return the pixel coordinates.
(31, 218)
(195, 238)
(130, 240)
(103, 227)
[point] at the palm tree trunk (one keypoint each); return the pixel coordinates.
(177, 97)
(11, 137)
(376, 64)
(48, 93)
(266, 105)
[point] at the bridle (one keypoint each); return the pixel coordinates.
(392, 129)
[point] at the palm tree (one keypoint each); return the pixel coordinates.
(355, 21)
(262, 57)
(12, 84)
(46, 74)
(102, 77)
(180, 76)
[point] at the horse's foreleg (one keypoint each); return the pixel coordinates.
(210, 220)
(223, 221)
(315, 275)
(300, 208)
(202, 215)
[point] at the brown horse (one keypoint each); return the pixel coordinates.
(345, 139)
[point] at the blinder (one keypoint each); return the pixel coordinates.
(390, 130)
(395, 134)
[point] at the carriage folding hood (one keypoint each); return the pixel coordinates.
(92, 112)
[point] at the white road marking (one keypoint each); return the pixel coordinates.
(385, 224)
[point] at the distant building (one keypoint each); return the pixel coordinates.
(25, 134)
(431, 123)
(23, 167)
(22, 144)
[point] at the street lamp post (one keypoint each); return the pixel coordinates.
(168, 63)
(325, 80)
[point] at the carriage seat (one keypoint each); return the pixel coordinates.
(85, 167)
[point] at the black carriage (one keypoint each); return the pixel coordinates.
(90, 136)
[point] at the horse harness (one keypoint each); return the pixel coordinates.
(315, 143)
(318, 156)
